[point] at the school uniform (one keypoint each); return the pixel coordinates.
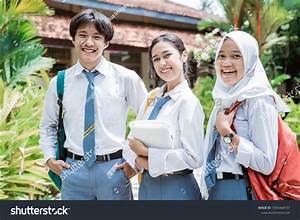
(255, 123)
(113, 89)
(170, 170)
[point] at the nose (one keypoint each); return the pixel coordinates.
(162, 62)
(227, 62)
(89, 41)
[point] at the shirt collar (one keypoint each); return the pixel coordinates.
(175, 92)
(102, 67)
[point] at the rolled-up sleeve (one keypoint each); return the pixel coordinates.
(48, 124)
(259, 153)
(188, 155)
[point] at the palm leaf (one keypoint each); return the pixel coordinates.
(19, 42)
(9, 101)
(39, 7)
(39, 63)
(23, 190)
(278, 80)
(1, 93)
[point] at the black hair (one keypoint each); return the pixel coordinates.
(91, 16)
(177, 43)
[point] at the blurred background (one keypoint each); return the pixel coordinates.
(35, 44)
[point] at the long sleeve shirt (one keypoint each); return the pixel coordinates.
(185, 118)
(115, 89)
(256, 124)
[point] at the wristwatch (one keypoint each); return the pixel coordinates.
(228, 138)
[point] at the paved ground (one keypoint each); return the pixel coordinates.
(135, 186)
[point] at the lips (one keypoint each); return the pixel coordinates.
(165, 70)
(88, 50)
(228, 73)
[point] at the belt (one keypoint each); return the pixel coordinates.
(179, 172)
(227, 176)
(99, 158)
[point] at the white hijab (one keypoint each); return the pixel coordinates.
(253, 84)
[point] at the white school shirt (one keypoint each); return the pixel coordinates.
(116, 88)
(256, 123)
(184, 115)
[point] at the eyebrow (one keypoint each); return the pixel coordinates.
(84, 32)
(165, 51)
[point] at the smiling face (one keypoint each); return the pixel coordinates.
(168, 63)
(230, 63)
(89, 45)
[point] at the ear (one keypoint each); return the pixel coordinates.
(106, 45)
(73, 42)
(184, 56)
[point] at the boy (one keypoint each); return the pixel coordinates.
(97, 94)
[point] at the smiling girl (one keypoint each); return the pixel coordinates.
(252, 141)
(167, 173)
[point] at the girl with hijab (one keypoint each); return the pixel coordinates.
(246, 137)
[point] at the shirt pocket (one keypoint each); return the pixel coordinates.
(241, 126)
(112, 109)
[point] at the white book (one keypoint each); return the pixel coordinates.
(152, 133)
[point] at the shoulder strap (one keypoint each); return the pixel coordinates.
(151, 98)
(60, 93)
(60, 131)
(60, 84)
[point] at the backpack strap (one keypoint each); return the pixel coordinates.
(151, 98)
(234, 107)
(60, 130)
(60, 85)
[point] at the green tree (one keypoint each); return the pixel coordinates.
(20, 49)
(260, 18)
(22, 171)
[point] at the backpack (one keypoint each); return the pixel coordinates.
(61, 152)
(284, 181)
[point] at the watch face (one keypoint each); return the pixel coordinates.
(227, 140)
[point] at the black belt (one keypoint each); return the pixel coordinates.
(227, 176)
(179, 172)
(99, 158)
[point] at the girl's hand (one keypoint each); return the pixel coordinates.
(223, 125)
(224, 122)
(142, 162)
(138, 147)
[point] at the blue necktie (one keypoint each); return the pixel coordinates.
(89, 121)
(159, 104)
